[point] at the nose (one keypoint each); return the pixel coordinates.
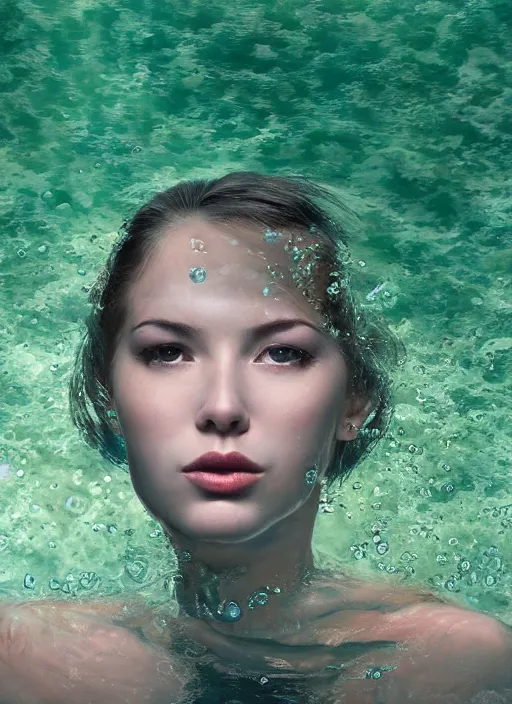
(223, 410)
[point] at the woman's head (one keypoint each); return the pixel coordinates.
(222, 261)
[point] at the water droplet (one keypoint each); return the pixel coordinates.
(186, 556)
(29, 582)
(271, 236)
(450, 584)
(448, 488)
(54, 584)
(136, 150)
(21, 253)
(311, 476)
(465, 566)
(4, 542)
(112, 529)
(88, 580)
(137, 570)
(361, 263)
(357, 485)
(266, 291)
(453, 541)
(42, 248)
(82, 272)
(35, 508)
(257, 599)
(490, 580)
(54, 367)
(374, 673)
(197, 245)
(20, 473)
(75, 505)
(382, 548)
(198, 275)
(233, 611)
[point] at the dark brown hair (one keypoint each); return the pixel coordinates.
(291, 205)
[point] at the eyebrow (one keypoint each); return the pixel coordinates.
(256, 333)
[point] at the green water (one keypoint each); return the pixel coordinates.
(408, 108)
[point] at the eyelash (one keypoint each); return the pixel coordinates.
(148, 355)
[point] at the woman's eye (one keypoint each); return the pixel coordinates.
(161, 354)
(168, 355)
(289, 355)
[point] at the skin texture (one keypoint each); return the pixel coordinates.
(224, 389)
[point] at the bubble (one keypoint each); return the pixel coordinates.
(374, 673)
(21, 253)
(82, 272)
(382, 548)
(490, 580)
(198, 275)
(232, 611)
(42, 248)
(137, 570)
(453, 541)
(263, 680)
(54, 584)
(357, 552)
(136, 150)
(88, 580)
(29, 582)
(75, 505)
(258, 599)
(450, 584)
(357, 485)
(4, 542)
(448, 488)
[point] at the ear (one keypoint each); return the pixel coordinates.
(352, 420)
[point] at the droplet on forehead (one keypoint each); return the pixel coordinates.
(197, 245)
(198, 274)
(266, 291)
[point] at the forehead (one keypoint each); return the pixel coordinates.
(239, 263)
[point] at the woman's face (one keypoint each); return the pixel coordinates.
(226, 383)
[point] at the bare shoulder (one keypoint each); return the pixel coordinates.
(51, 650)
(452, 654)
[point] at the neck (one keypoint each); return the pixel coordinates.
(248, 586)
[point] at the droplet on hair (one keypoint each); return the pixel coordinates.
(198, 275)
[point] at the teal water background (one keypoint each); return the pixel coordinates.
(406, 106)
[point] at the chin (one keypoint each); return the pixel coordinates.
(226, 527)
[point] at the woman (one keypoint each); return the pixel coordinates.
(226, 363)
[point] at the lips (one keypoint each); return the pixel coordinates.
(215, 462)
(223, 474)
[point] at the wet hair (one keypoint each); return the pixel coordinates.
(292, 205)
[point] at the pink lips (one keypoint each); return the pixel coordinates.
(223, 474)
